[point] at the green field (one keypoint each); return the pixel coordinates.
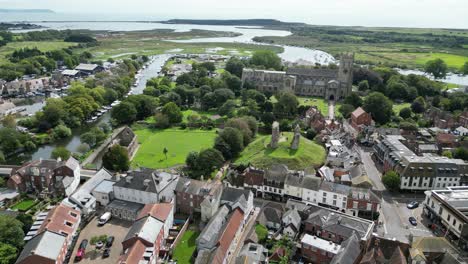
(24, 205)
(420, 58)
(397, 107)
(184, 250)
(178, 143)
(43, 46)
(260, 155)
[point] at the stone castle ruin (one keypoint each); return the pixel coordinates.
(275, 135)
(296, 138)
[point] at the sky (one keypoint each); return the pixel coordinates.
(400, 13)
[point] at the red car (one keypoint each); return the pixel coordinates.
(81, 250)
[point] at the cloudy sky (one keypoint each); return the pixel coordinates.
(408, 13)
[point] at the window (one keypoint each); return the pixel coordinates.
(324, 200)
(355, 204)
(68, 223)
(335, 196)
(448, 217)
(454, 223)
(440, 211)
(334, 202)
(73, 214)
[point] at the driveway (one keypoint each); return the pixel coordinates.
(114, 227)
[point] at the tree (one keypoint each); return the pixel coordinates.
(172, 111)
(161, 120)
(447, 153)
(165, 151)
(60, 152)
(286, 105)
(353, 99)
(419, 105)
(2, 158)
(405, 112)
(228, 108)
(262, 233)
(243, 127)
(27, 221)
(11, 231)
(116, 159)
(391, 180)
(461, 153)
(363, 85)
(234, 83)
(379, 106)
(222, 95)
(209, 160)
(267, 59)
(310, 133)
(234, 139)
(346, 110)
(124, 113)
(7, 253)
(89, 138)
(438, 68)
(464, 68)
(235, 66)
(9, 121)
(61, 131)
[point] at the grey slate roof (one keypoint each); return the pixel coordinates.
(191, 186)
(210, 234)
(86, 67)
(277, 172)
(46, 244)
(311, 183)
(233, 194)
(157, 181)
(292, 217)
(313, 72)
(252, 253)
(349, 251)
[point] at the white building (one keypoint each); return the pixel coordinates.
(448, 211)
(104, 192)
(146, 186)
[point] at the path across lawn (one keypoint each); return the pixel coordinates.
(178, 143)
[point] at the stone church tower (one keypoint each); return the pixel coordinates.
(345, 73)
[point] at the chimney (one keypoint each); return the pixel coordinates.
(128, 179)
(117, 176)
(147, 181)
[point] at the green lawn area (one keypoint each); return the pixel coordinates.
(420, 58)
(260, 155)
(178, 143)
(398, 107)
(321, 103)
(43, 46)
(24, 205)
(184, 250)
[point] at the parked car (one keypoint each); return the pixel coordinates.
(81, 250)
(110, 241)
(413, 221)
(106, 253)
(412, 205)
(104, 218)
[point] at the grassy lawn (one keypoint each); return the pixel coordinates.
(184, 250)
(178, 143)
(24, 205)
(260, 155)
(319, 102)
(452, 60)
(43, 46)
(397, 107)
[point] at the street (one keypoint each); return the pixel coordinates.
(394, 213)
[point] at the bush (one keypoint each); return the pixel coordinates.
(61, 152)
(391, 180)
(61, 131)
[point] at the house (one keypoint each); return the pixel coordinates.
(8, 197)
(104, 192)
(382, 250)
(311, 186)
(350, 251)
(50, 236)
(208, 238)
(47, 177)
(273, 182)
(193, 196)
(88, 69)
(291, 222)
(462, 131)
(253, 180)
(446, 141)
(146, 236)
(252, 253)
(82, 199)
(360, 119)
(271, 216)
(6, 107)
(25, 86)
(430, 249)
(71, 73)
(127, 139)
(46, 248)
(238, 198)
(146, 186)
(228, 240)
(124, 210)
(318, 250)
(314, 119)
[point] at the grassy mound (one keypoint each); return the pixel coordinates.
(260, 155)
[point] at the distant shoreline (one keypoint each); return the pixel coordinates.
(41, 11)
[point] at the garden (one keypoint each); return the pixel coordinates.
(184, 250)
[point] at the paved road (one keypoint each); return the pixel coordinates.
(331, 110)
(394, 214)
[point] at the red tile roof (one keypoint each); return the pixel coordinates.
(445, 138)
(159, 211)
(358, 112)
(253, 176)
(133, 254)
(228, 236)
(57, 219)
